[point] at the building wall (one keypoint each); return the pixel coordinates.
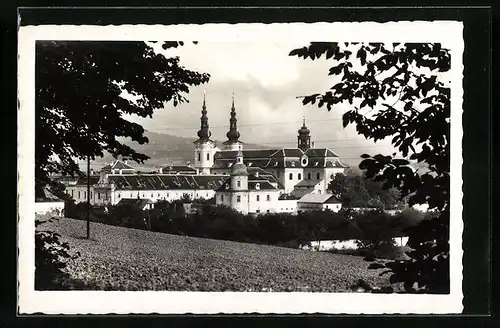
(333, 207)
(263, 201)
(43, 208)
(287, 206)
(204, 157)
(239, 201)
(302, 206)
(157, 195)
(297, 175)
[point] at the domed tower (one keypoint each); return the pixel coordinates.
(233, 142)
(239, 174)
(204, 146)
(304, 137)
(239, 185)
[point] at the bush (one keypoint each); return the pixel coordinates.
(50, 259)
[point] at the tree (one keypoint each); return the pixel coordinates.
(406, 85)
(359, 190)
(84, 89)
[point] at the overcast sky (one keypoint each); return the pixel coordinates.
(266, 82)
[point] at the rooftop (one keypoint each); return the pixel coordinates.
(319, 199)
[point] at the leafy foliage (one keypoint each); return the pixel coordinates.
(360, 191)
(85, 89)
(51, 255)
(406, 85)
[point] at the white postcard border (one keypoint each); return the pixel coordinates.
(449, 33)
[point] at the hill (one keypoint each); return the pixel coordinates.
(163, 149)
(117, 258)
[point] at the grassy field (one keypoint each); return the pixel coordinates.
(117, 258)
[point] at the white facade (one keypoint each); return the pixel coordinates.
(159, 195)
(287, 206)
(55, 208)
(204, 156)
(315, 202)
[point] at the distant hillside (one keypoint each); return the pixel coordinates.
(164, 149)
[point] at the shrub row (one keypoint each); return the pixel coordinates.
(371, 228)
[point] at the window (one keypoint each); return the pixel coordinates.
(267, 211)
(152, 195)
(317, 175)
(72, 193)
(84, 194)
(300, 176)
(257, 211)
(238, 183)
(78, 193)
(158, 195)
(309, 176)
(319, 191)
(98, 195)
(208, 156)
(258, 198)
(118, 195)
(238, 199)
(222, 198)
(268, 198)
(91, 194)
(131, 195)
(199, 156)
(290, 176)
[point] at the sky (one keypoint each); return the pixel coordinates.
(266, 83)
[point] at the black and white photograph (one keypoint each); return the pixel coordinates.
(246, 168)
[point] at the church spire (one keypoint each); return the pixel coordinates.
(304, 137)
(204, 132)
(233, 134)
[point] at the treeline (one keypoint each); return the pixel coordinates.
(283, 229)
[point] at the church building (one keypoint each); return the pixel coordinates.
(301, 168)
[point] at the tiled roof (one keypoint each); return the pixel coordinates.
(263, 185)
(319, 199)
(247, 154)
(166, 182)
(299, 192)
(320, 152)
(178, 168)
(308, 183)
(136, 202)
(94, 179)
(117, 165)
(288, 152)
(43, 194)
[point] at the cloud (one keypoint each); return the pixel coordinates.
(266, 83)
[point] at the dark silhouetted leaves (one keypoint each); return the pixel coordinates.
(413, 107)
(79, 108)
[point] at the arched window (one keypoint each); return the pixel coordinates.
(317, 175)
(238, 199)
(258, 198)
(118, 195)
(300, 176)
(238, 183)
(290, 176)
(268, 198)
(199, 156)
(309, 176)
(208, 156)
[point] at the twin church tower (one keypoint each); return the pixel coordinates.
(205, 148)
